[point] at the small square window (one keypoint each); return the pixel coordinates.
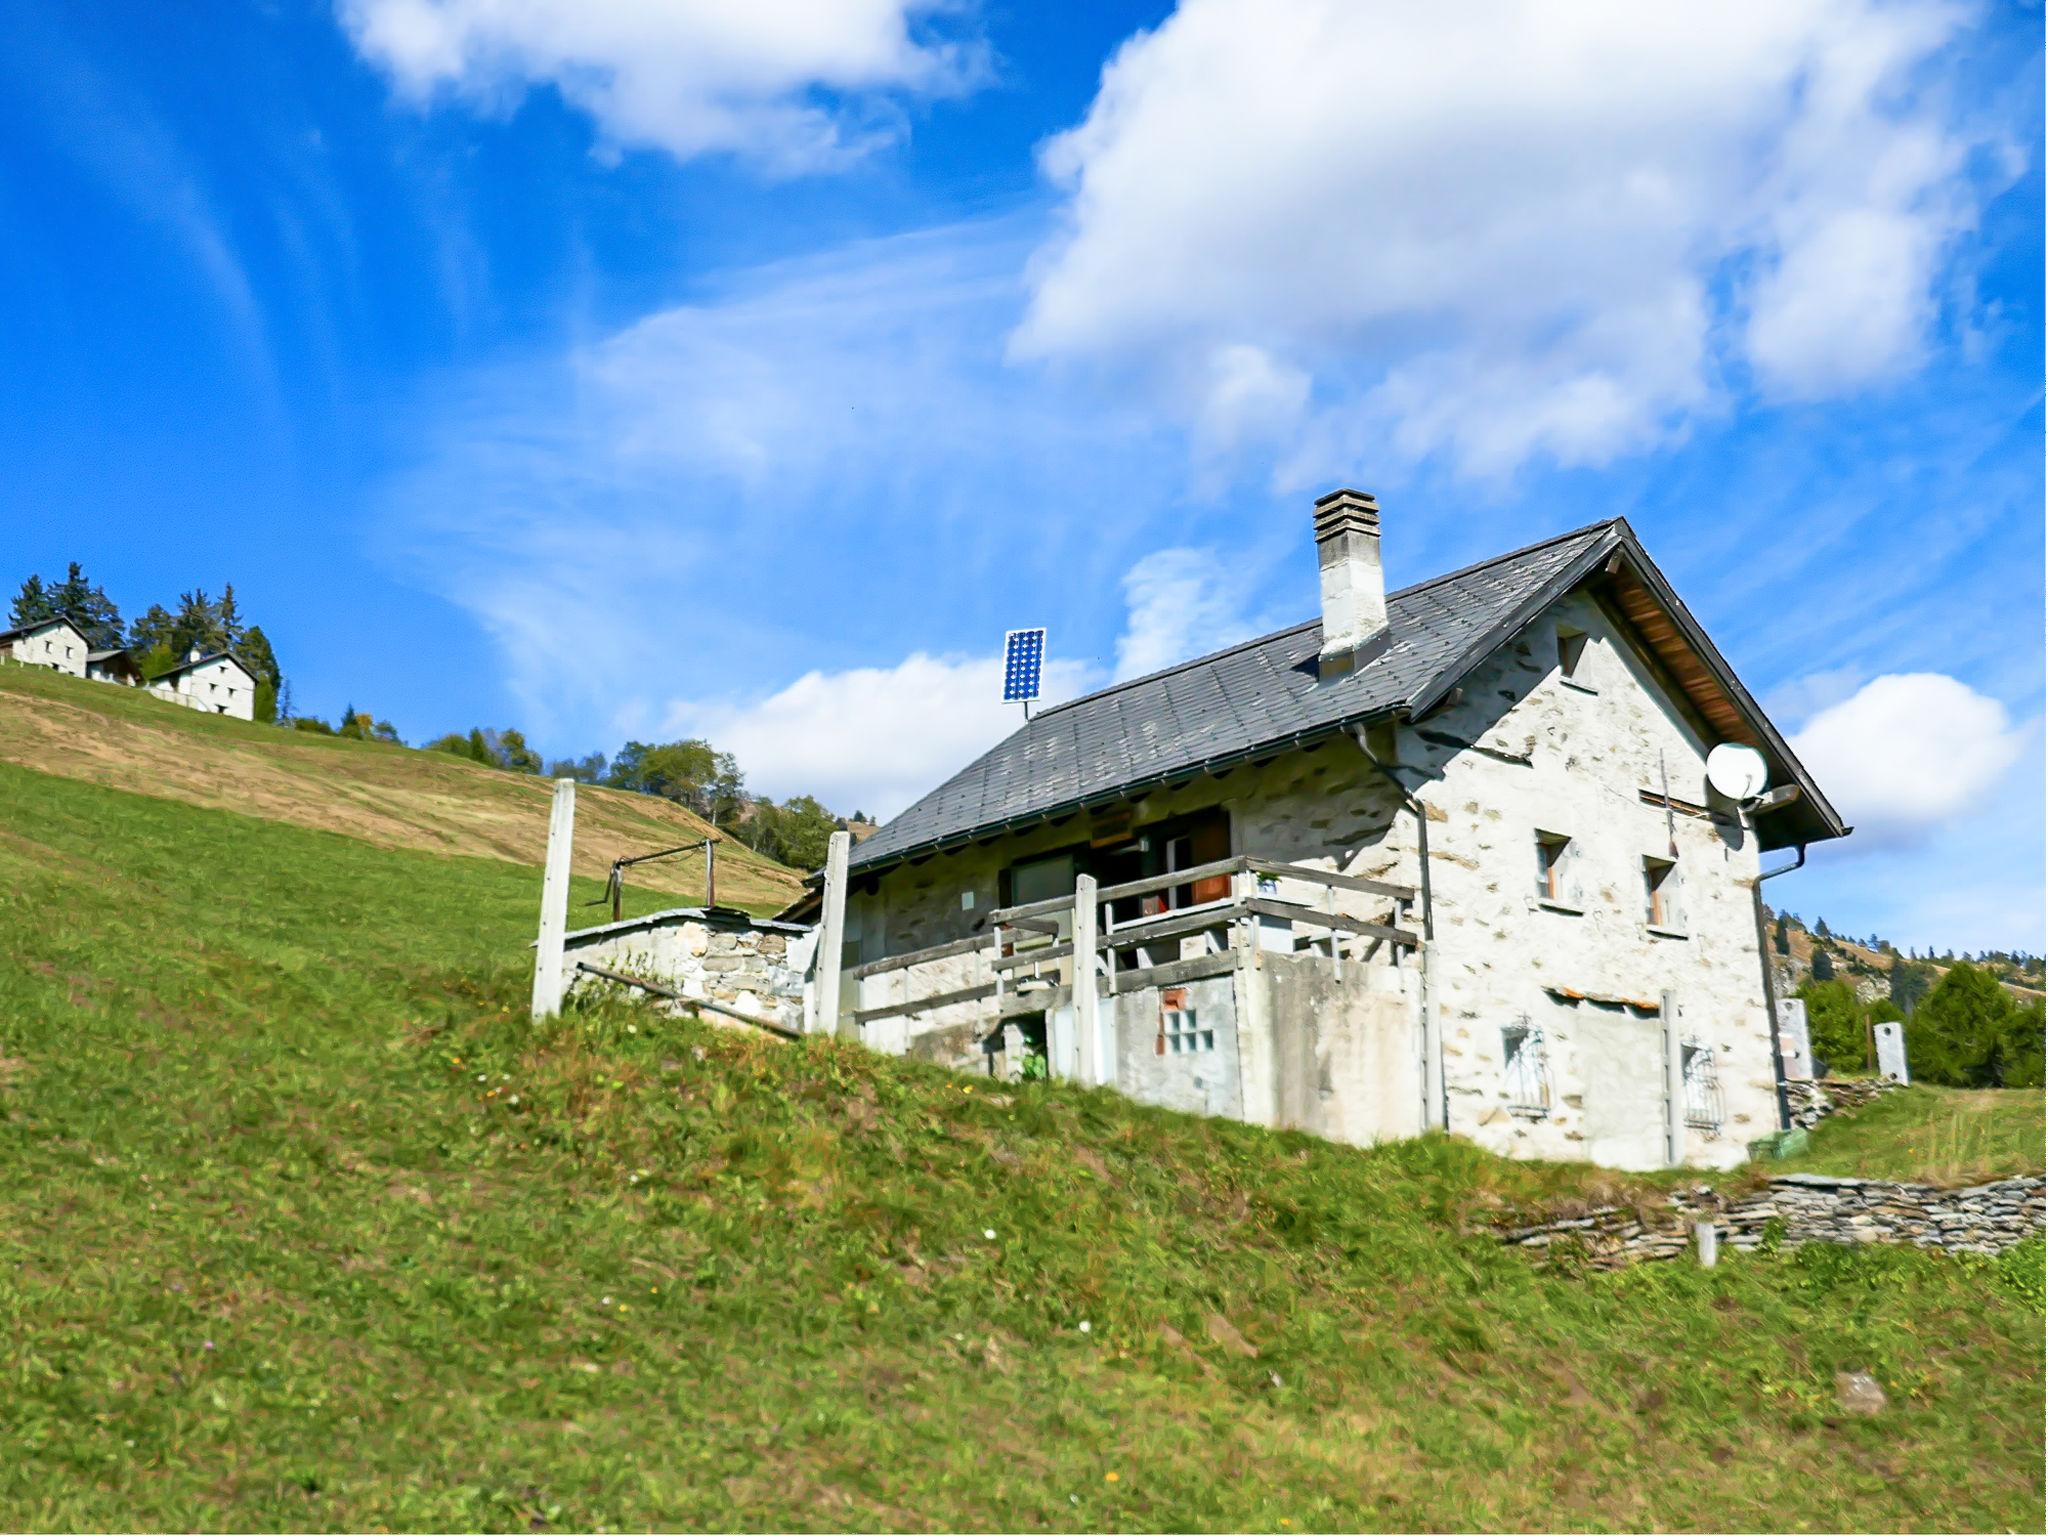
(1553, 854)
(1571, 651)
(1181, 1030)
(1660, 891)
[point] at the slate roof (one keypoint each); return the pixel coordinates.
(1248, 699)
(37, 628)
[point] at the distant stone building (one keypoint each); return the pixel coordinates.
(214, 682)
(52, 643)
(1443, 858)
(115, 665)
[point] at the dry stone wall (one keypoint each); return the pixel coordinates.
(1803, 1208)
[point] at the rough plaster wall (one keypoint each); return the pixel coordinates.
(62, 649)
(1346, 1053)
(759, 971)
(1323, 807)
(218, 687)
(1200, 1082)
(1566, 760)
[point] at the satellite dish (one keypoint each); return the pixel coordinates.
(1737, 772)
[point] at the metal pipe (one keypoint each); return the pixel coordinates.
(1763, 951)
(1436, 1097)
(1421, 816)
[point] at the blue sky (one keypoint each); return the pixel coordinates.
(636, 368)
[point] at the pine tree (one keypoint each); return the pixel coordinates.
(32, 603)
(1823, 965)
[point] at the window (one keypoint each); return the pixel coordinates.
(1554, 857)
(1527, 1059)
(1702, 1087)
(1180, 1028)
(1660, 893)
(1571, 651)
(1041, 879)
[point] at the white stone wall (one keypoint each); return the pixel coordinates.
(1523, 750)
(221, 686)
(1570, 757)
(59, 647)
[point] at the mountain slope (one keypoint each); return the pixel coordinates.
(375, 791)
(306, 1226)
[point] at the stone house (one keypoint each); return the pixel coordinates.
(1440, 858)
(211, 681)
(53, 643)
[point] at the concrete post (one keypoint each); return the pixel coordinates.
(554, 903)
(1707, 1240)
(1087, 1005)
(1436, 1111)
(1674, 1082)
(832, 942)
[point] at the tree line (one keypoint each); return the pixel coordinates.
(162, 637)
(1964, 1026)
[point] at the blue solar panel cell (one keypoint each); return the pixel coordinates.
(1023, 664)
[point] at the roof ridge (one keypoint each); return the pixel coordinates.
(1272, 635)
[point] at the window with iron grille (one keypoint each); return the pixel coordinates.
(1527, 1060)
(1702, 1087)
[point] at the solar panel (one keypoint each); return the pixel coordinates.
(1023, 663)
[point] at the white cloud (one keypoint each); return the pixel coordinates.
(875, 738)
(820, 464)
(795, 85)
(1181, 603)
(1509, 230)
(871, 738)
(1908, 752)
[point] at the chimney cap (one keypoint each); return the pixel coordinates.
(1346, 511)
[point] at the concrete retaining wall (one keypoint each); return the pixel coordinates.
(755, 965)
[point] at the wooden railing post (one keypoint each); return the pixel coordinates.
(832, 943)
(1087, 1006)
(554, 903)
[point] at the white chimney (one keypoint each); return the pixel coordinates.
(1354, 588)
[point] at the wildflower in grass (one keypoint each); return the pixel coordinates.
(989, 1233)
(1085, 1326)
(1110, 1477)
(513, 1100)
(604, 1301)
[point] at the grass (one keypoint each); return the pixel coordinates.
(304, 1226)
(375, 791)
(1931, 1135)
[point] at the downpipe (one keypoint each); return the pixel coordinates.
(1436, 1103)
(1763, 952)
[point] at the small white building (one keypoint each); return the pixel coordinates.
(116, 665)
(53, 643)
(212, 681)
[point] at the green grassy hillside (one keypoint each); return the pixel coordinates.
(371, 790)
(303, 1225)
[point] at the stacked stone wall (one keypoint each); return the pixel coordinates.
(1801, 1208)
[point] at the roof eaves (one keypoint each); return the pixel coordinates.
(1060, 810)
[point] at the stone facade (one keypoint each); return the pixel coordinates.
(55, 645)
(217, 685)
(1573, 971)
(1802, 1208)
(759, 967)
